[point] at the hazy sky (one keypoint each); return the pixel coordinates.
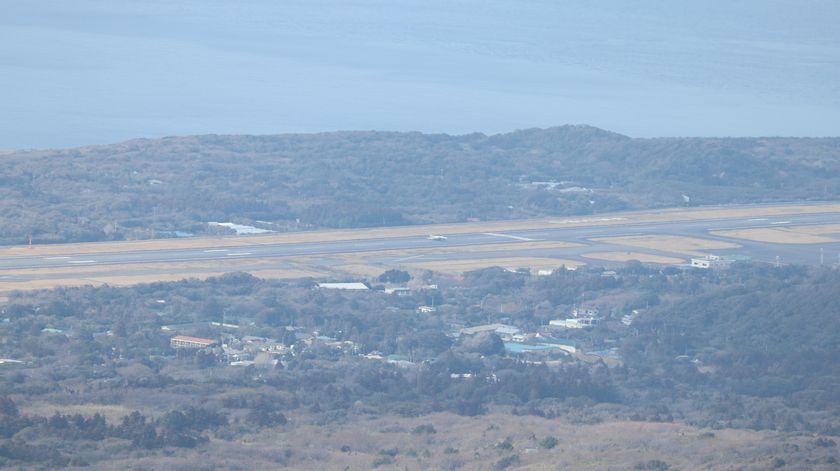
(75, 72)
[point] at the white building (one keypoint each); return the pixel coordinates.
(399, 290)
(709, 261)
(346, 286)
(185, 341)
(500, 329)
(586, 312)
(576, 323)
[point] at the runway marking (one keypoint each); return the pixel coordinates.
(238, 253)
(407, 258)
(609, 234)
(215, 250)
(756, 219)
(56, 258)
(81, 261)
(578, 221)
(780, 222)
(745, 228)
(508, 236)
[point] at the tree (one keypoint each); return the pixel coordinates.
(394, 276)
(485, 343)
(205, 359)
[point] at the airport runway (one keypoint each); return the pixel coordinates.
(251, 249)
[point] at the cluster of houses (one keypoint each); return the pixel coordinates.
(548, 343)
(258, 351)
(628, 319)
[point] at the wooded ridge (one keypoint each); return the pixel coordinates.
(149, 188)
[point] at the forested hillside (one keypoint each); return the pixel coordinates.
(151, 188)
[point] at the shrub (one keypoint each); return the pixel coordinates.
(506, 463)
(655, 465)
(421, 429)
(381, 461)
(548, 443)
(389, 452)
(506, 444)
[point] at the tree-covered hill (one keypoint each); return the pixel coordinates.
(150, 187)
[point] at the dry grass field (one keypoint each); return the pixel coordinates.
(460, 266)
(627, 256)
(821, 229)
(112, 413)
(474, 443)
(113, 280)
(669, 243)
(351, 264)
(792, 235)
(679, 214)
(361, 269)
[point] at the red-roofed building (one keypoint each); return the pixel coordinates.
(185, 341)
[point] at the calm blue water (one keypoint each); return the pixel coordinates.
(97, 71)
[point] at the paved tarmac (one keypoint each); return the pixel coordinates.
(759, 251)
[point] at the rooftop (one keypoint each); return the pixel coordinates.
(498, 328)
(348, 286)
(187, 338)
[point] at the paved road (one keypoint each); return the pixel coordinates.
(697, 228)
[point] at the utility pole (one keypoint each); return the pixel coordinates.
(822, 256)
